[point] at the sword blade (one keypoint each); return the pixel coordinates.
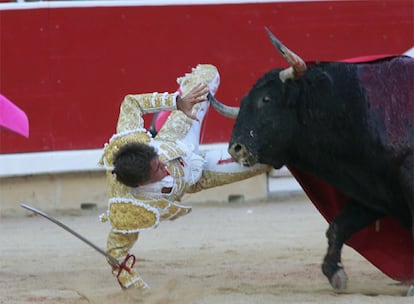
(70, 230)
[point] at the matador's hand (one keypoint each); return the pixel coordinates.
(194, 96)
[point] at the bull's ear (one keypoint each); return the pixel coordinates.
(291, 92)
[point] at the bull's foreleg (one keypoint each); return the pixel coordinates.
(350, 220)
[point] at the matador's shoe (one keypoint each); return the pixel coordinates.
(129, 279)
(127, 275)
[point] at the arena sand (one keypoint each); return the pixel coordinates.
(233, 253)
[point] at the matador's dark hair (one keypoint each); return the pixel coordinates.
(132, 164)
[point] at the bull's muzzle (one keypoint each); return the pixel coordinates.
(241, 154)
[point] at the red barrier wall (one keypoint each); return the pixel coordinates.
(69, 68)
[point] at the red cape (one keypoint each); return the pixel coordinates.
(386, 244)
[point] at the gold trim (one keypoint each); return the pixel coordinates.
(127, 216)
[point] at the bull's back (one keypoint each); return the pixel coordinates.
(388, 86)
(379, 140)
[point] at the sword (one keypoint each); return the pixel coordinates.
(124, 265)
(45, 215)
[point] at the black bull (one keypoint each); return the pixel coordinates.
(346, 132)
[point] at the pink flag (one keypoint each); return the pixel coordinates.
(13, 118)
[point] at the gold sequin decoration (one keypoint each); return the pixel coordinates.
(203, 73)
(134, 107)
(130, 217)
(178, 122)
(175, 169)
(175, 127)
(115, 188)
(179, 189)
(116, 143)
(211, 179)
(170, 150)
(160, 204)
(130, 279)
(171, 210)
(183, 211)
(119, 244)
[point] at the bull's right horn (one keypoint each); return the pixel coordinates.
(297, 65)
(227, 111)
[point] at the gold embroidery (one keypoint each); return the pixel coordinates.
(181, 212)
(171, 150)
(130, 279)
(213, 179)
(203, 73)
(117, 142)
(175, 127)
(175, 169)
(133, 107)
(130, 217)
(119, 244)
(160, 204)
(171, 210)
(179, 189)
(115, 188)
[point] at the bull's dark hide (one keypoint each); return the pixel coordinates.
(346, 132)
(386, 244)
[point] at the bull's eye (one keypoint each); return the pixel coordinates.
(266, 99)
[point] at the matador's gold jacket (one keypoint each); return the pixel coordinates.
(132, 209)
(136, 209)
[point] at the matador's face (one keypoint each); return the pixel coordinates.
(158, 171)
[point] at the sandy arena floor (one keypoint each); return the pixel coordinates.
(234, 253)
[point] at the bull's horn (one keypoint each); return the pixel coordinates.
(227, 111)
(297, 65)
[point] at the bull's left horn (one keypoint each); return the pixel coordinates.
(297, 65)
(227, 111)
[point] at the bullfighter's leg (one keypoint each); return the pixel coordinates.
(350, 220)
(118, 246)
(220, 169)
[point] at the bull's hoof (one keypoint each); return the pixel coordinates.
(339, 280)
(335, 274)
(410, 292)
